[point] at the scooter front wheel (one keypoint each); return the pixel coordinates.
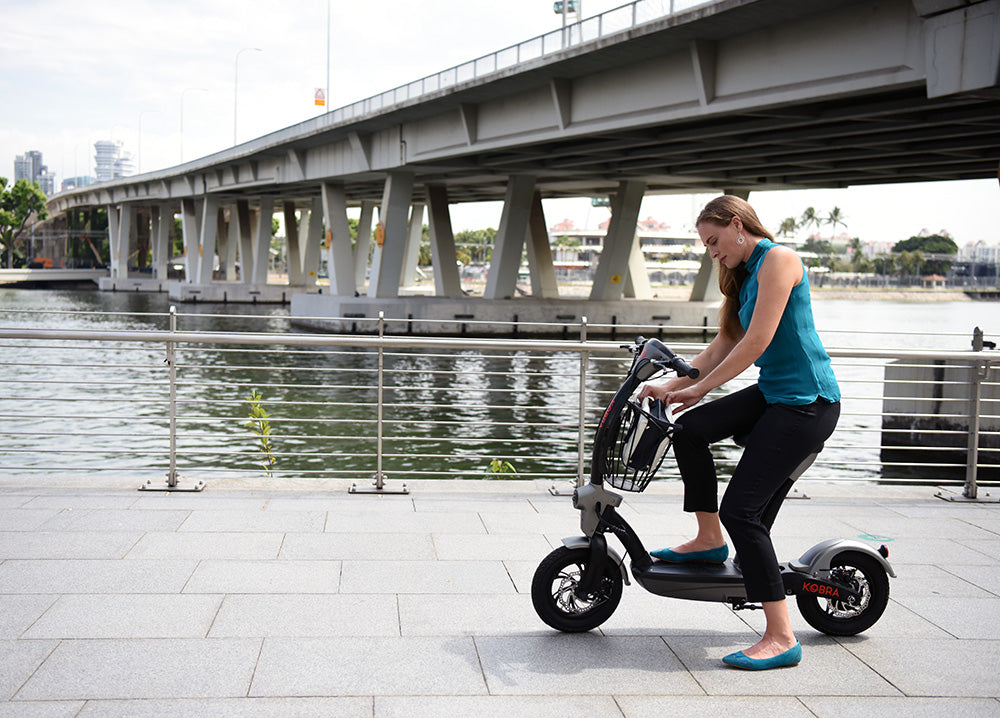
(866, 577)
(553, 591)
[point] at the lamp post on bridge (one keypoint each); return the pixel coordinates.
(236, 80)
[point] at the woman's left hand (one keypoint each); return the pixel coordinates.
(685, 398)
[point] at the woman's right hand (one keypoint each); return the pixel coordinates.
(656, 391)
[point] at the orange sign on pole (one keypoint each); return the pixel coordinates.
(320, 97)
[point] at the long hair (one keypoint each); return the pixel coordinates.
(721, 211)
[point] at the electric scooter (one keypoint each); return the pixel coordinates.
(841, 586)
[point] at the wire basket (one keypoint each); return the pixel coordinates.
(634, 450)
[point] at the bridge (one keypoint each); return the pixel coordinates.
(730, 95)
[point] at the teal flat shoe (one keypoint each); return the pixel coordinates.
(712, 555)
(789, 658)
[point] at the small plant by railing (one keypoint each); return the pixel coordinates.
(500, 469)
(260, 425)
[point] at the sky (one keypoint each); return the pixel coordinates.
(179, 80)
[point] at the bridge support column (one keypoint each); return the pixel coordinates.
(292, 244)
(637, 284)
(312, 228)
(262, 241)
(387, 264)
(228, 242)
(413, 238)
(339, 263)
(444, 260)
(363, 244)
(161, 222)
(540, 265)
(614, 262)
(190, 222)
(509, 243)
(706, 283)
(206, 240)
(120, 224)
(245, 235)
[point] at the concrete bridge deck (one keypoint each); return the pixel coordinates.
(285, 598)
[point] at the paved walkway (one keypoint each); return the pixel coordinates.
(304, 600)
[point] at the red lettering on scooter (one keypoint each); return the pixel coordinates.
(819, 589)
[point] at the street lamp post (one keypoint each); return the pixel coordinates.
(236, 80)
(184, 92)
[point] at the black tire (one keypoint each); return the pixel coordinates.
(837, 618)
(552, 591)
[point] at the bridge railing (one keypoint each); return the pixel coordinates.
(587, 30)
(131, 400)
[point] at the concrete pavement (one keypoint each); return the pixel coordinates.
(297, 599)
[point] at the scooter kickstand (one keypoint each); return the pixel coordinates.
(744, 606)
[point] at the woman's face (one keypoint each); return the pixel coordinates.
(720, 240)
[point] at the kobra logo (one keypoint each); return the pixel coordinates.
(819, 589)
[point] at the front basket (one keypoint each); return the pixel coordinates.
(635, 451)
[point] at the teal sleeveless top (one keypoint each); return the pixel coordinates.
(795, 368)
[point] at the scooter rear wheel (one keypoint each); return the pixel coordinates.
(867, 577)
(553, 591)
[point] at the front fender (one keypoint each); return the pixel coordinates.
(816, 561)
(584, 542)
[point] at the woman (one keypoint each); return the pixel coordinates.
(766, 319)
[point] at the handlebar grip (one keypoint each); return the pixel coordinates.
(685, 369)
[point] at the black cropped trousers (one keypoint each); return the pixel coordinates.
(776, 438)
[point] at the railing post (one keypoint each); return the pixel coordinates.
(977, 374)
(173, 481)
(378, 480)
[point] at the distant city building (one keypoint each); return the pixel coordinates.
(111, 161)
(75, 183)
(31, 167)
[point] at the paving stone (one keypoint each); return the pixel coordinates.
(24, 519)
(405, 522)
(127, 616)
(18, 612)
(491, 547)
(306, 615)
(84, 500)
(254, 521)
(62, 544)
(368, 666)
(265, 577)
(701, 706)
(354, 547)
(494, 706)
(143, 668)
(231, 708)
(208, 545)
(468, 615)
(14, 501)
(838, 707)
(18, 660)
(114, 520)
(568, 664)
(95, 576)
(488, 577)
(41, 709)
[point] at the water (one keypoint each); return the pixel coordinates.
(103, 406)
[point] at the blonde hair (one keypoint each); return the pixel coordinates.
(720, 211)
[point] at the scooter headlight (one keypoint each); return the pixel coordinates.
(576, 498)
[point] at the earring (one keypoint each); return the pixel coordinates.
(739, 238)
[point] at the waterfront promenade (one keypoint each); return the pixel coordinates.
(295, 598)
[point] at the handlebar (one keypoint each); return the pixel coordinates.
(654, 352)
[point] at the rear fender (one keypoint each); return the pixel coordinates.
(817, 560)
(584, 542)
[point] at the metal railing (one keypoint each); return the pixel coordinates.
(147, 401)
(608, 23)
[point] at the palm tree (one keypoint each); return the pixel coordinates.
(810, 218)
(834, 218)
(788, 227)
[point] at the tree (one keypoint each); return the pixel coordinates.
(810, 218)
(835, 218)
(933, 244)
(17, 204)
(788, 227)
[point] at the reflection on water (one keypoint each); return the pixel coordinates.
(105, 405)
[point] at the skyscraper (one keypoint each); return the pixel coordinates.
(111, 161)
(30, 167)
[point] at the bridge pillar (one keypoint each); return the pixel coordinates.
(509, 243)
(262, 241)
(228, 242)
(444, 260)
(190, 221)
(292, 244)
(312, 228)
(339, 263)
(362, 244)
(120, 231)
(706, 283)
(245, 237)
(540, 266)
(210, 219)
(413, 238)
(637, 284)
(387, 264)
(161, 217)
(618, 244)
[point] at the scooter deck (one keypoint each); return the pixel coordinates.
(694, 581)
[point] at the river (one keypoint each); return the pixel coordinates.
(520, 408)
